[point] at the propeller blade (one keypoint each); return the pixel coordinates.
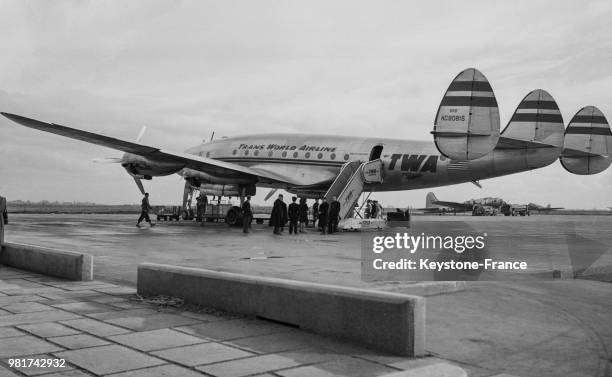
(141, 134)
(139, 184)
(107, 160)
(270, 194)
(186, 193)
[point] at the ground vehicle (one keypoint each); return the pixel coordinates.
(514, 210)
(169, 213)
(480, 210)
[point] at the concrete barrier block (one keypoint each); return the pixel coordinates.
(384, 321)
(62, 264)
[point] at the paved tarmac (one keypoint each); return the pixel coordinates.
(528, 328)
(55, 328)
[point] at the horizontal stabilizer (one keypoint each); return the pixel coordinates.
(467, 122)
(588, 143)
(509, 143)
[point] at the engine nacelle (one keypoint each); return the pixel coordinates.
(202, 177)
(142, 166)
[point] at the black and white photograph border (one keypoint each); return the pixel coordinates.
(290, 188)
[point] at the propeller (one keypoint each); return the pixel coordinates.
(141, 134)
(137, 179)
(139, 184)
(118, 160)
(108, 160)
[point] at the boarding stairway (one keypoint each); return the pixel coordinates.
(349, 184)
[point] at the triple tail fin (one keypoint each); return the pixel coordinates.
(467, 122)
(588, 143)
(536, 123)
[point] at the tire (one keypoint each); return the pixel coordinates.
(259, 221)
(233, 217)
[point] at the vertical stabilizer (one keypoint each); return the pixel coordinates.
(429, 199)
(537, 119)
(588, 143)
(467, 122)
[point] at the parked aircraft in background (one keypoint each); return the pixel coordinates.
(467, 147)
(482, 206)
(432, 206)
(539, 208)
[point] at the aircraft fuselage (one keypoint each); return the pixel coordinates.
(313, 161)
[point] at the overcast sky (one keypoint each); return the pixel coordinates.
(187, 68)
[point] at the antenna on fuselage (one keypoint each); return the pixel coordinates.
(212, 136)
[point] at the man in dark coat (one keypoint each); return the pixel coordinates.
(3, 218)
(145, 207)
(373, 210)
(315, 212)
(368, 209)
(278, 217)
(294, 215)
(303, 215)
(323, 215)
(247, 215)
(334, 215)
(285, 217)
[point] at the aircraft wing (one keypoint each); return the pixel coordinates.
(428, 209)
(208, 165)
(510, 143)
(449, 204)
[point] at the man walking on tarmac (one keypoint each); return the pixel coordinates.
(294, 215)
(334, 215)
(145, 207)
(247, 215)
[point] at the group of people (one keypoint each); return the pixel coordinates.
(373, 210)
(325, 215)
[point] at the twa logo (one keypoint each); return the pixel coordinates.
(414, 162)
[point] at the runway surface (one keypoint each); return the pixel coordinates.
(527, 328)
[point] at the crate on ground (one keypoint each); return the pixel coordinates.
(169, 213)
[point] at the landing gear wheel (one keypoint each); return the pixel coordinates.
(233, 217)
